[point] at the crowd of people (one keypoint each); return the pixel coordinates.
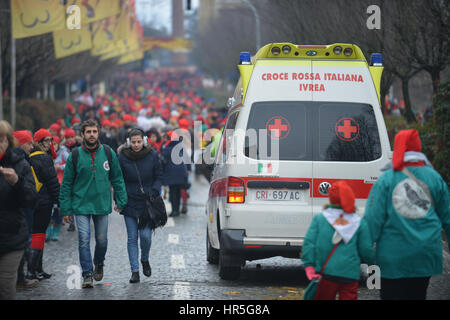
(125, 140)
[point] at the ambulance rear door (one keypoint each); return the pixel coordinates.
(347, 140)
(278, 201)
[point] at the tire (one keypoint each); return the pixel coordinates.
(212, 254)
(227, 272)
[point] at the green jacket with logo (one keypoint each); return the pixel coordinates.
(408, 247)
(89, 192)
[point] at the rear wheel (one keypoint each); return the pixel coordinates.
(229, 269)
(212, 254)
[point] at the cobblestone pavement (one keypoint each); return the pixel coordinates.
(179, 267)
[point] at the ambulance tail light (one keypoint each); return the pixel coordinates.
(235, 190)
(376, 60)
(244, 58)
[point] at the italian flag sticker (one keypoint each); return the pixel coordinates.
(264, 168)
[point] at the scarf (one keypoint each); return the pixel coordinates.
(410, 156)
(344, 224)
(132, 155)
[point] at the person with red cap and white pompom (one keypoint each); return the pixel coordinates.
(339, 240)
(406, 210)
(47, 186)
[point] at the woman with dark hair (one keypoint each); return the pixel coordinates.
(154, 138)
(17, 190)
(142, 173)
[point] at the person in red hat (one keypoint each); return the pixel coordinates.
(340, 236)
(25, 145)
(55, 129)
(107, 136)
(127, 125)
(54, 226)
(47, 186)
(406, 210)
(25, 141)
(175, 173)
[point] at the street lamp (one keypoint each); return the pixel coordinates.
(257, 24)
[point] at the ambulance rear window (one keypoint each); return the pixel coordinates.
(347, 132)
(287, 122)
(314, 131)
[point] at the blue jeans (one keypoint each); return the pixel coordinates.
(145, 236)
(84, 239)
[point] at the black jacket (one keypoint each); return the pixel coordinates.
(13, 225)
(150, 172)
(45, 171)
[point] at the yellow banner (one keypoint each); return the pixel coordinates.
(94, 10)
(31, 18)
(132, 56)
(105, 34)
(68, 42)
(125, 46)
(151, 43)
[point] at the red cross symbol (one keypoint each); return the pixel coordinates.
(279, 125)
(278, 128)
(350, 127)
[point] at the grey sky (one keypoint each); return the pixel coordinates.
(158, 12)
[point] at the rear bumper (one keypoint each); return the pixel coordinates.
(235, 243)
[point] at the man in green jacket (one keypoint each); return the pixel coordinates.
(86, 193)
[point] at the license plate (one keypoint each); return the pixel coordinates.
(278, 195)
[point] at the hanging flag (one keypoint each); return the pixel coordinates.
(68, 42)
(104, 35)
(94, 10)
(31, 18)
(132, 56)
(125, 46)
(169, 43)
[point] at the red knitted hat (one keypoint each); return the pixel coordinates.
(23, 136)
(55, 127)
(342, 195)
(41, 134)
(69, 133)
(183, 123)
(405, 140)
(75, 120)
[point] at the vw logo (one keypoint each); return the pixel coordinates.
(323, 188)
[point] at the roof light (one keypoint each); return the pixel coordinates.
(348, 52)
(286, 49)
(337, 50)
(276, 51)
(245, 58)
(376, 60)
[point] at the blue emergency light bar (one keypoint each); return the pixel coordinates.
(376, 60)
(245, 58)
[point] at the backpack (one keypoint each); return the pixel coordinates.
(36, 180)
(75, 159)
